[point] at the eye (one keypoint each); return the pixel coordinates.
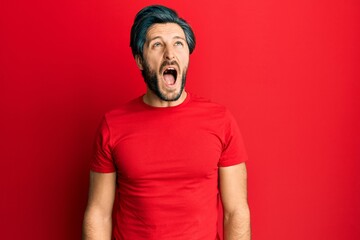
(157, 44)
(179, 43)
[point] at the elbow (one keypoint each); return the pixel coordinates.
(96, 225)
(242, 213)
(237, 224)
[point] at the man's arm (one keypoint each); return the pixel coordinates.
(233, 189)
(98, 215)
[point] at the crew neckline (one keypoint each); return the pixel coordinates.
(147, 106)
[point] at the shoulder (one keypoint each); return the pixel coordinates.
(209, 106)
(124, 109)
(205, 102)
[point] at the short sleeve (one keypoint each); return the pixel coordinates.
(233, 147)
(102, 160)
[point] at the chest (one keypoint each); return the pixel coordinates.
(167, 149)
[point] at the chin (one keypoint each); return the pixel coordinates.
(170, 97)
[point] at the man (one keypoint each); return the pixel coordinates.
(166, 157)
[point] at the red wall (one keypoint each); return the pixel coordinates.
(288, 70)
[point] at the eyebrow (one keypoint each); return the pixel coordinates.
(178, 37)
(175, 37)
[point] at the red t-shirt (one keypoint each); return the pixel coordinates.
(167, 160)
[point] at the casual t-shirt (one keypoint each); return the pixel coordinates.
(167, 161)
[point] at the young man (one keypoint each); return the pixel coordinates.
(166, 158)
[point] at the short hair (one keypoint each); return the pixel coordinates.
(150, 15)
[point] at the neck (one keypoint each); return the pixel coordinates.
(150, 98)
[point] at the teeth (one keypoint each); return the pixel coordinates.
(167, 70)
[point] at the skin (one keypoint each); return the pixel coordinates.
(98, 215)
(166, 43)
(233, 190)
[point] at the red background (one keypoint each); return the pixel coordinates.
(288, 70)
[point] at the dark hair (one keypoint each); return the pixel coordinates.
(150, 15)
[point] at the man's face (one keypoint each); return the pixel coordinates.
(165, 61)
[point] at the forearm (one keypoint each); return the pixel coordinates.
(237, 225)
(96, 227)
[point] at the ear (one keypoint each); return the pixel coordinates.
(139, 62)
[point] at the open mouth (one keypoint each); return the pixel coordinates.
(170, 75)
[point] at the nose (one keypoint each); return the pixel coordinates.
(169, 53)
